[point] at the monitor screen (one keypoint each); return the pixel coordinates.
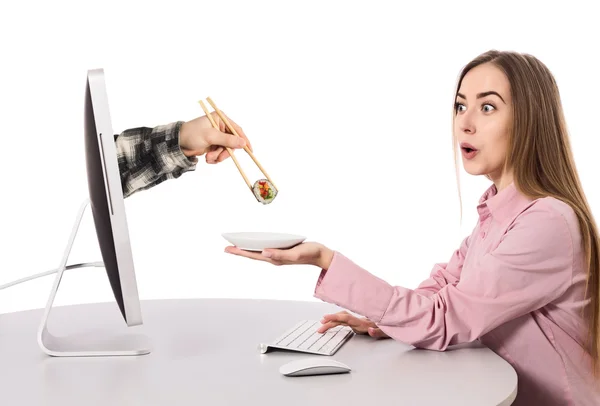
(106, 198)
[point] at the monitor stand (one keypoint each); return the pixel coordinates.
(94, 343)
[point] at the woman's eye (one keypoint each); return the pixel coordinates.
(458, 106)
(489, 105)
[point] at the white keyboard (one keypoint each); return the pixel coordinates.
(303, 337)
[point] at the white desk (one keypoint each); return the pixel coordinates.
(205, 352)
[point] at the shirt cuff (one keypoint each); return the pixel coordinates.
(177, 155)
(351, 287)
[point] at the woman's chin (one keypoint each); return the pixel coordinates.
(474, 170)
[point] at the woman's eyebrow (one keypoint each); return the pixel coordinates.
(483, 94)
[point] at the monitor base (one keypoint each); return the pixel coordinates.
(91, 344)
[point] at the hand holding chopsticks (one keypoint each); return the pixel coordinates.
(214, 124)
(264, 189)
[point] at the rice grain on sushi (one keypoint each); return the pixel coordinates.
(264, 191)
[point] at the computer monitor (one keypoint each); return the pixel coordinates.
(108, 210)
(106, 198)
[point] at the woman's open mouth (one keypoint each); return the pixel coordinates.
(468, 151)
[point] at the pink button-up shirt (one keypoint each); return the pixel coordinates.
(516, 284)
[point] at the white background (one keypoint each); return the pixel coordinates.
(347, 104)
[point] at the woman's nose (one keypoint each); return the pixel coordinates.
(466, 124)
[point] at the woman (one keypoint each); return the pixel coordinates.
(526, 281)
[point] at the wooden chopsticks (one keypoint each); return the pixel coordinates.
(214, 124)
(234, 132)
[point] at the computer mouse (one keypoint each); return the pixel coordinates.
(313, 366)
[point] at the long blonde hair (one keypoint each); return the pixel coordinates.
(541, 158)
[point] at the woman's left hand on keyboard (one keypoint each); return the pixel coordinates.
(360, 325)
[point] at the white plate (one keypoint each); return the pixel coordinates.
(258, 241)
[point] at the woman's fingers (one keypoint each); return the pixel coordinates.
(327, 326)
(250, 254)
(342, 316)
(359, 325)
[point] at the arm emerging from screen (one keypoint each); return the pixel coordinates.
(149, 156)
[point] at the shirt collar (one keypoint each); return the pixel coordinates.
(503, 205)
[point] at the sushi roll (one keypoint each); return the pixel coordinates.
(264, 191)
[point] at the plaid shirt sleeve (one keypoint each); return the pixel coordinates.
(149, 156)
